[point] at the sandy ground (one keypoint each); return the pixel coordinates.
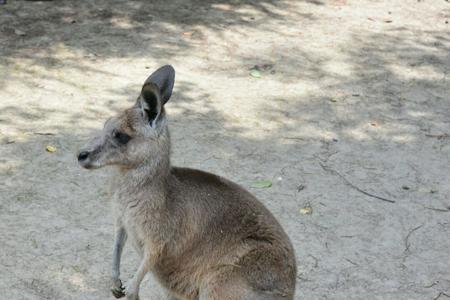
(353, 99)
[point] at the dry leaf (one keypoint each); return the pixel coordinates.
(50, 149)
(19, 32)
(255, 73)
(188, 33)
(307, 210)
(262, 184)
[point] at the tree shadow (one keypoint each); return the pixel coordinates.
(46, 33)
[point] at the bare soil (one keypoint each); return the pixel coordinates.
(352, 104)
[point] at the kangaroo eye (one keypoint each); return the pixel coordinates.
(121, 137)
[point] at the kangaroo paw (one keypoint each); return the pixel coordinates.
(117, 289)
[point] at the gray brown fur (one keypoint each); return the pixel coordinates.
(202, 236)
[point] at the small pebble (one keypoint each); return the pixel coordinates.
(301, 187)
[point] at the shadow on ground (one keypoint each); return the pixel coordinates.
(322, 128)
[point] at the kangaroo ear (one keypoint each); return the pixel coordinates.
(150, 103)
(164, 79)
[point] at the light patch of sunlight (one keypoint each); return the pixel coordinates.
(425, 72)
(418, 114)
(122, 22)
(59, 59)
(63, 51)
(9, 167)
(246, 11)
(307, 132)
(395, 133)
(405, 138)
(64, 72)
(338, 67)
(221, 6)
(12, 134)
(358, 134)
(78, 281)
(170, 27)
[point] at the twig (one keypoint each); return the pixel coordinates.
(431, 285)
(43, 133)
(437, 209)
(439, 136)
(353, 263)
(293, 138)
(441, 294)
(407, 244)
(326, 168)
(316, 261)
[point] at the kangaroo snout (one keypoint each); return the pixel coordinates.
(88, 156)
(83, 155)
(91, 155)
(89, 159)
(83, 159)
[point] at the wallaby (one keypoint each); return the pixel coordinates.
(202, 236)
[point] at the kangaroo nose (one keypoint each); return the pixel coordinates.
(83, 155)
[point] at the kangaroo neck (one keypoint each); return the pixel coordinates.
(148, 175)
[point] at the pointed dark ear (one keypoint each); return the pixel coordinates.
(150, 103)
(164, 79)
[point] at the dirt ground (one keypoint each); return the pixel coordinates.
(352, 103)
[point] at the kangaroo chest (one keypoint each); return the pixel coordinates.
(142, 220)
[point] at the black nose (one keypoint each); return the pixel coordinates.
(83, 155)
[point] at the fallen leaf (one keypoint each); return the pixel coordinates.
(76, 268)
(19, 32)
(50, 149)
(261, 184)
(188, 33)
(69, 20)
(34, 242)
(307, 210)
(255, 73)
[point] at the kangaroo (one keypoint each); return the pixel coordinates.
(202, 236)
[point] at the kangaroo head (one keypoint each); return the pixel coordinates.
(139, 135)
